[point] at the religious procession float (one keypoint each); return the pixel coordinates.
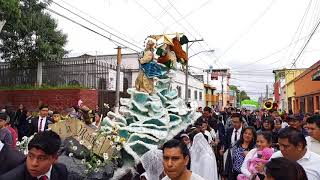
(152, 115)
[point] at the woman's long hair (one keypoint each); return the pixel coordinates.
(253, 142)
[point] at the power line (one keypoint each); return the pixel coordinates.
(303, 19)
(305, 45)
(52, 11)
(99, 21)
(148, 25)
(192, 27)
(265, 82)
(248, 29)
(159, 4)
(95, 25)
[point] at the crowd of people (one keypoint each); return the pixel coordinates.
(23, 122)
(234, 144)
(237, 144)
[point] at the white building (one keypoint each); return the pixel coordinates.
(130, 67)
(220, 79)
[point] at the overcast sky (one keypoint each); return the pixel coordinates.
(251, 37)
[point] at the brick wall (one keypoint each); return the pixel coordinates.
(56, 99)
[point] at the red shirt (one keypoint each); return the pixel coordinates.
(14, 135)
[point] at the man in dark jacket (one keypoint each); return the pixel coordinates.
(41, 160)
(41, 122)
(9, 158)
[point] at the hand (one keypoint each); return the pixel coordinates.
(260, 167)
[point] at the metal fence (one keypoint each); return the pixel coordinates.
(89, 73)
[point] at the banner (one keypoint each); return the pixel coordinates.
(83, 133)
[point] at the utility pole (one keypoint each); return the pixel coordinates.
(119, 57)
(267, 92)
(222, 91)
(187, 68)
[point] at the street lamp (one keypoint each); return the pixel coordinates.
(187, 72)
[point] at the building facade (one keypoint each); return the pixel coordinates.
(281, 90)
(307, 91)
(220, 79)
(130, 69)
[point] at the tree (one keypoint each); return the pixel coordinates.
(30, 35)
(9, 9)
(241, 95)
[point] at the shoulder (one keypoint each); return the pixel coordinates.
(60, 167)
(35, 119)
(59, 170)
(314, 156)
(195, 176)
(14, 155)
(252, 152)
(15, 174)
(165, 178)
(230, 130)
(276, 155)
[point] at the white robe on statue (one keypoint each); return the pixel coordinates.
(203, 160)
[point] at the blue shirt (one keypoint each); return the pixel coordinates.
(237, 158)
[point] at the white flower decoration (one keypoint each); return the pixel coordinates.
(98, 162)
(117, 139)
(96, 170)
(81, 142)
(89, 166)
(89, 147)
(74, 148)
(118, 148)
(105, 156)
(18, 143)
(111, 143)
(71, 154)
(83, 161)
(25, 152)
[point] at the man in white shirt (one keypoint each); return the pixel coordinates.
(293, 146)
(313, 140)
(41, 122)
(175, 160)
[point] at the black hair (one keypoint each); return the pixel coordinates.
(213, 123)
(3, 116)
(276, 166)
(237, 115)
(241, 140)
(48, 141)
(207, 109)
(43, 106)
(293, 135)
(314, 119)
(174, 143)
(55, 112)
(270, 120)
(198, 122)
(267, 135)
(271, 111)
